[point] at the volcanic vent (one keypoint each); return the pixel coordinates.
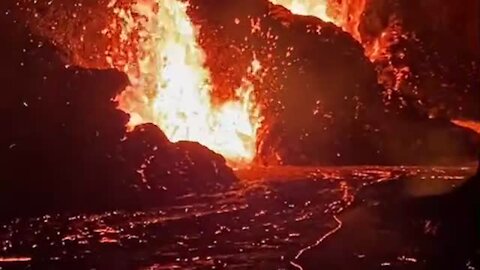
(254, 82)
(172, 87)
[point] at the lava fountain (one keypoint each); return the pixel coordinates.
(171, 87)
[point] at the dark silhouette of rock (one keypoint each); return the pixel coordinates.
(321, 98)
(175, 168)
(65, 147)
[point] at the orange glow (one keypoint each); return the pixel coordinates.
(171, 87)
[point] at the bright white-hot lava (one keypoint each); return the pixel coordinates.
(318, 8)
(171, 87)
(346, 14)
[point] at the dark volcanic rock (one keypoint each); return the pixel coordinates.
(320, 94)
(438, 42)
(64, 146)
(175, 169)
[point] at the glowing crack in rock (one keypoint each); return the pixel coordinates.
(171, 87)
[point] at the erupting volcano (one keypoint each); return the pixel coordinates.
(171, 86)
(239, 134)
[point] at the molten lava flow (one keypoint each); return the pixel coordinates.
(172, 88)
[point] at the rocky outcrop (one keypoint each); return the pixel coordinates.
(318, 91)
(65, 147)
(320, 94)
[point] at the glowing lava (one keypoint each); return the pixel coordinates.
(346, 14)
(172, 88)
(317, 8)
